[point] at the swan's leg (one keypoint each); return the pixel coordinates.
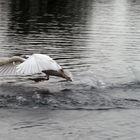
(47, 77)
(37, 79)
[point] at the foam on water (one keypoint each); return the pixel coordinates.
(70, 95)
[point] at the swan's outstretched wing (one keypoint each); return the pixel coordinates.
(36, 63)
(8, 67)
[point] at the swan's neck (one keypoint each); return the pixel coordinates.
(52, 73)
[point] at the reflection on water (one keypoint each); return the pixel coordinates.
(99, 38)
(96, 40)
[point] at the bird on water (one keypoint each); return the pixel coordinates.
(35, 64)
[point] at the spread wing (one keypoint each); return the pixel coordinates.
(36, 63)
(8, 67)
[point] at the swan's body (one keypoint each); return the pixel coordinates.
(35, 64)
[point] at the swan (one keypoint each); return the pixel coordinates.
(34, 64)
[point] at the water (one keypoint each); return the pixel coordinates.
(98, 41)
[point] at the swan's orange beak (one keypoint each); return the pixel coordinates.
(66, 75)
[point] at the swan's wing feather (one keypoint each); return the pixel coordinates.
(8, 65)
(36, 63)
(46, 62)
(8, 69)
(29, 67)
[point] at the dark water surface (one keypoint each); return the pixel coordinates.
(97, 40)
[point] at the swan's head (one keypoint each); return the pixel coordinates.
(66, 75)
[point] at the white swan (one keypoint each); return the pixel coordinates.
(35, 64)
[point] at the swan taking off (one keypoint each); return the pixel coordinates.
(35, 64)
